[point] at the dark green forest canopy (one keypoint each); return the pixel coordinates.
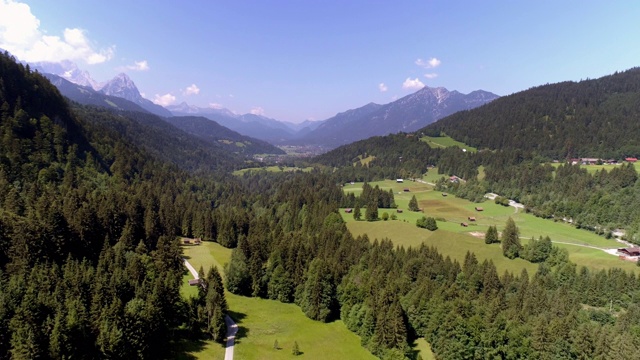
(590, 118)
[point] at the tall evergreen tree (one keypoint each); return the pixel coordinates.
(491, 236)
(413, 204)
(510, 240)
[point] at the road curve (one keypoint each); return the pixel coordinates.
(232, 327)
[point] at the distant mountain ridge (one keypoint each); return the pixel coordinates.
(256, 126)
(120, 86)
(407, 114)
(204, 129)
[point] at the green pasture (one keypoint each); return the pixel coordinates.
(272, 169)
(593, 168)
(452, 244)
(432, 175)
(454, 240)
(446, 141)
(261, 322)
(597, 259)
(364, 160)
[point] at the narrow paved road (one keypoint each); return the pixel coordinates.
(191, 269)
(232, 327)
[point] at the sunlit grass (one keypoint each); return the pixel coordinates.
(456, 211)
(261, 322)
(272, 169)
(446, 141)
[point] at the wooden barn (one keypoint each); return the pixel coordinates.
(478, 208)
(348, 211)
(630, 251)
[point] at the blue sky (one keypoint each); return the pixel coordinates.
(296, 60)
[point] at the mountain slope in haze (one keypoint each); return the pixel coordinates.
(88, 96)
(69, 71)
(256, 126)
(204, 129)
(211, 131)
(407, 114)
(590, 118)
(122, 86)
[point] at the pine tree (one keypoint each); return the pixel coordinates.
(511, 246)
(357, 213)
(413, 204)
(491, 236)
(275, 345)
(371, 213)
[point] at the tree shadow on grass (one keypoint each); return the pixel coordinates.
(242, 331)
(184, 348)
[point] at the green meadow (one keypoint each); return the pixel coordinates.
(261, 322)
(593, 168)
(446, 141)
(272, 169)
(452, 239)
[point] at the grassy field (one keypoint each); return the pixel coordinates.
(454, 240)
(261, 322)
(446, 141)
(272, 169)
(593, 168)
(432, 175)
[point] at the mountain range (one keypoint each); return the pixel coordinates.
(197, 126)
(407, 114)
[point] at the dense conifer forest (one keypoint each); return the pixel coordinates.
(590, 118)
(90, 265)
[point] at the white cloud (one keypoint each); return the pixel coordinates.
(216, 106)
(257, 111)
(138, 66)
(431, 75)
(412, 84)
(192, 89)
(164, 100)
(382, 87)
(20, 34)
(429, 64)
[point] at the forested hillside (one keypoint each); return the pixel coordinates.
(89, 263)
(590, 118)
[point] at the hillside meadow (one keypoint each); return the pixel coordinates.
(454, 240)
(261, 322)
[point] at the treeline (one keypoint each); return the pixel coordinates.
(590, 118)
